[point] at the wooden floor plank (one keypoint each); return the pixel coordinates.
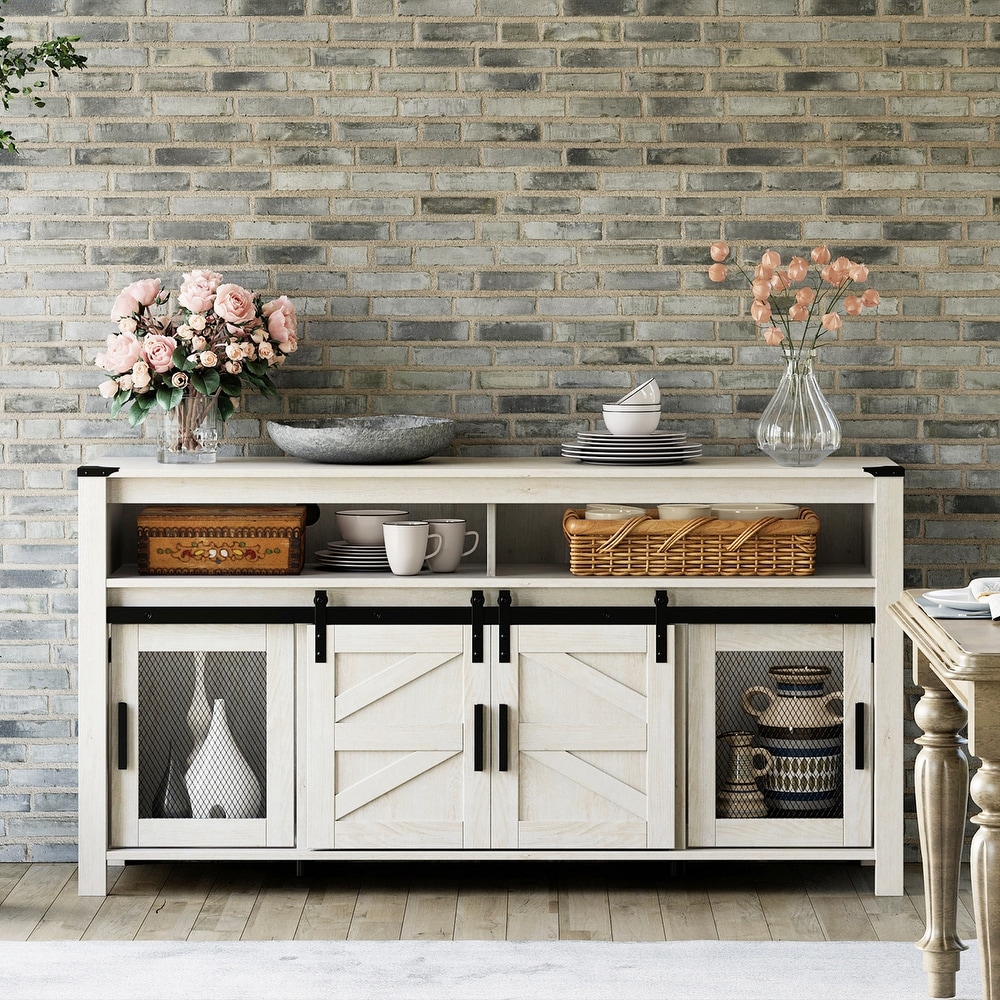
(123, 911)
(893, 918)
(30, 897)
(70, 914)
(329, 907)
(178, 904)
(228, 906)
(380, 908)
(786, 904)
(481, 911)
(532, 910)
(430, 913)
(635, 914)
(686, 912)
(11, 872)
(584, 911)
(278, 908)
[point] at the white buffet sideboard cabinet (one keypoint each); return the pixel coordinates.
(509, 710)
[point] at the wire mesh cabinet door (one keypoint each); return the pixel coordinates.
(202, 736)
(779, 735)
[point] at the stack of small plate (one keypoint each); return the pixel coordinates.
(657, 448)
(358, 558)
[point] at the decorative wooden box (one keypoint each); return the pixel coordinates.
(230, 541)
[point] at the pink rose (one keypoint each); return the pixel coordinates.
(108, 388)
(125, 305)
(281, 321)
(197, 293)
(122, 353)
(158, 351)
(234, 304)
(140, 376)
(144, 292)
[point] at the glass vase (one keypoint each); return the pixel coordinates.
(190, 431)
(798, 428)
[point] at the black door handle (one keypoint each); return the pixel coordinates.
(504, 738)
(477, 737)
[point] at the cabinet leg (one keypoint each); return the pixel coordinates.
(941, 775)
(986, 873)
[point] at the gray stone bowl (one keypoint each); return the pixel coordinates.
(364, 440)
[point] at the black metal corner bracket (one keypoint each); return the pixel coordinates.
(885, 470)
(95, 471)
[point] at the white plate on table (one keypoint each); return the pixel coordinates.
(961, 599)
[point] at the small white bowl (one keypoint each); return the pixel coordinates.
(364, 527)
(647, 392)
(683, 511)
(635, 422)
(611, 512)
(632, 407)
(753, 511)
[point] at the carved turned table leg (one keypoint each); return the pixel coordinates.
(986, 872)
(941, 775)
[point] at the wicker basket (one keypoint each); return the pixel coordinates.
(703, 546)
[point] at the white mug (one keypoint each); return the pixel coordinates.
(453, 536)
(406, 545)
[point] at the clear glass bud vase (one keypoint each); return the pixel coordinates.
(190, 431)
(798, 428)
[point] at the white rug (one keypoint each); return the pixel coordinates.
(469, 970)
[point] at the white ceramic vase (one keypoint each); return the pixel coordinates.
(220, 782)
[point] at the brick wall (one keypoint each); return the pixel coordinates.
(497, 209)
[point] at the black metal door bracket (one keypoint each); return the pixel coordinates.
(503, 626)
(661, 602)
(478, 600)
(320, 601)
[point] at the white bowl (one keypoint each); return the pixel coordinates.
(753, 511)
(647, 392)
(611, 512)
(632, 407)
(683, 511)
(635, 422)
(364, 527)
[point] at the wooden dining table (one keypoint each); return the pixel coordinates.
(957, 663)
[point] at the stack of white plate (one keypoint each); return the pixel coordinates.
(605, 448)
(358, 558)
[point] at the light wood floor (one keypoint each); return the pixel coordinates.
(527, 901)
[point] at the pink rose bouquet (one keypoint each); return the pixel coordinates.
(222, 337)
(797, 304)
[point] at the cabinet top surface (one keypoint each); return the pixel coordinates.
(489, 468)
